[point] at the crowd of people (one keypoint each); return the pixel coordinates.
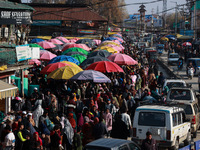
(70, 114)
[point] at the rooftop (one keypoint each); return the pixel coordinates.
(14, 6)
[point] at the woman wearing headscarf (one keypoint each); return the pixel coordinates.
(36, 139)
(72, 121)
(68, 134)
(37, 113)
(87, 130)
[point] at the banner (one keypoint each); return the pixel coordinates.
(46, 23)
(35, 52)
(15, 17)
(23, 52)
(197, 145)
(86, 31)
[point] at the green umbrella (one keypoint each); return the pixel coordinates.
(35, 45)
(75, 49)
(80, 58)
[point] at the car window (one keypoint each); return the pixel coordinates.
(133, 146)
(187, 109)
(180, 94)
(196, 109)
(174, 84)
(151, 119)
(123, 147)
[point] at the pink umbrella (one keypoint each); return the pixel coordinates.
(73, 40)
(46, 44)
(119, 49)
(97, 42)
(122, 59)
(85, 47)
(56, 41)
(187, 44)
(34, 61)
(117, 41)
(46, 55)
(63, 39)
(121, 40)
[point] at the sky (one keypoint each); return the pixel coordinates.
(134, 8)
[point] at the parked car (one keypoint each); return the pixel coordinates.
(174, 83)
(173, 58)
(112, 144)
(166, 123)
(192, 114)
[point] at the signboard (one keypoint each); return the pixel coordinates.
(46, 23)
(23, 52)
(86, 31)
(15, 17)
(197, 145)
(186, 148)
(35, 52)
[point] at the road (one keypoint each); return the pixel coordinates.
(182, 74)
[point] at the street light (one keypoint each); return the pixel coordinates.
(176, 17)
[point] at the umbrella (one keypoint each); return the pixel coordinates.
(62, 39)
(91, 75)
(73, 40)
(67, 46)
(169, 36)
(119, 49)
(122, 59)
(90, 43)
(97, 42)
(36, 40)
(56, 41)
(64, 58)
(46, 44)
(75, 49)
(70, 63)
(46, 55)
(109, 49)
(117, 35)
(64, 73)
(119, 39)
(109, 42)
(164, 39)
(34, 61)
(73, 53)
(102, 53)
(35, 45)
(57, 48)
(187, 44)
(51, 67)
(105, 66)
(110, 39)
(80, 58)
(85, 47)
(91, 60)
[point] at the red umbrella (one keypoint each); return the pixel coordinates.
(67, 46)
(46, 44)
(122, 59)
(105, 66)
(46, 55)
(187, 44)
(51, 67)
(34, 61)
(56, 41)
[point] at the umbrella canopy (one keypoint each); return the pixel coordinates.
(109, 49)
(91, 75)
(91, 60)
(63, 39)
(119, 49)
(97, 42)
(164, 39)
(46, 44)
(117, 35)
(90, 43)
(122, 59)
(56, 41)
(105, 66)
(110, 39)
(169, 36)
(70, 63)
(187, 44)
(75, 49)
(35, 45)
(73, 40)
(80, 58)
(64, 73)
(57, 48)
(74, 53)
(109, 42)
(85, 47)
(119, 39)
(36, 40)
(64, 58)
(34, 61)
(102, 53)
(46, 55)
(51, 67)
(71, 45)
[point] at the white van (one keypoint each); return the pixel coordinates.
(167, 125)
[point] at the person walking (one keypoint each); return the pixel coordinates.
(149, 143)
(9, 142)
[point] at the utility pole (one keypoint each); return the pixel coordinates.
(194, 18)
(176, 18)
(152, 28)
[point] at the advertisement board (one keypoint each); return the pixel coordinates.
(23, 52)
(35, 52)
(15, 17)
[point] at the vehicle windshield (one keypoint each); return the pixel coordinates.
(174, 84)
(152, 119)
(198, 63)
(160, 47)
(173, 56)
(180, 94)
(187, 108)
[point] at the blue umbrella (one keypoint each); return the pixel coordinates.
(170, 36)
(116, 35)
(110, 39)
(36, 40)
(64, 58)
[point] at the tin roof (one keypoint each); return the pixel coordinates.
(16, 6)
(66, 13)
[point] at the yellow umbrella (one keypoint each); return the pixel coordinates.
(109, 49)
(109, 42)
(70, 63)
(64, 73)
(164, 39)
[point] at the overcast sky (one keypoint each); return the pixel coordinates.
(134, 8)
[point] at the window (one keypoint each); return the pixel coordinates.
(180, 94)
(179, 118)
(123, 147)
(152, 119)
(175, 120)
(133, 146)
(187, 108)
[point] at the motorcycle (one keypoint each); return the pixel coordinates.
(190, 73)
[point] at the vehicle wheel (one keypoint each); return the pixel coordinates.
(176, 146)
(188, 140)
(195, 134)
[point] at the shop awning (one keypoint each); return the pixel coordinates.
(7, 90)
